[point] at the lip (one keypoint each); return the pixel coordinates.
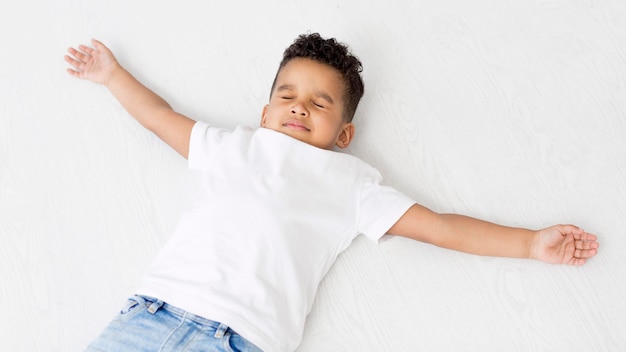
(296, 125)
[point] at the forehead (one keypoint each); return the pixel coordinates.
(304, 73)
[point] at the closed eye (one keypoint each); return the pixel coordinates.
(318, 105)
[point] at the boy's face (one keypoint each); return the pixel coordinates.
(307, 104)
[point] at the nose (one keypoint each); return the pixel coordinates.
(300, 110)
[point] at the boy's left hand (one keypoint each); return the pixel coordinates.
(564, 244)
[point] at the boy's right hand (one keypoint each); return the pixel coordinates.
(95, 64)
(98, 64)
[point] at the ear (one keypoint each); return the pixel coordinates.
(346, 135)
(263, 114)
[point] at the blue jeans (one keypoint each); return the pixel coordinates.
(148, 325)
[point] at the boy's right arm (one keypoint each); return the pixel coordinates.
(98, 65)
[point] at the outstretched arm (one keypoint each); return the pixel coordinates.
(98, 65)
(560, 244)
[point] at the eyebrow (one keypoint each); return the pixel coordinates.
(320, 94)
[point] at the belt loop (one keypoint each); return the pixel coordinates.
(154, 306)
(221, 330)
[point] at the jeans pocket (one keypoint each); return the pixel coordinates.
(236, 343)
(128, 308)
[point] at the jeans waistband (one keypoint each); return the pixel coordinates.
(154, 304)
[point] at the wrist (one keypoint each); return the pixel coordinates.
(115, 71)
(533, 245)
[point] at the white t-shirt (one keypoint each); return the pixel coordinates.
(272, 215)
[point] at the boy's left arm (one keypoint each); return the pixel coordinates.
(560, 244)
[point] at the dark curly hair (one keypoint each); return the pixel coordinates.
(335, 54)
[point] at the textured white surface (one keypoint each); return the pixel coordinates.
(512, 111)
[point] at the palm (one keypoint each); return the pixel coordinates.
(564, 244)
(94, 64)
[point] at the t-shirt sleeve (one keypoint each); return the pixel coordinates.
(203, 141)
(380, 207)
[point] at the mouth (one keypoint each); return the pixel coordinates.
(296, 126)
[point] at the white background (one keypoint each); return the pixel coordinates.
(511, 111)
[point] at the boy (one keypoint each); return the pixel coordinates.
(276, 208)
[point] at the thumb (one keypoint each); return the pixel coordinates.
(570, 229)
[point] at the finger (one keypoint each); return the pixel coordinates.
(578, 233)
(577, 261)
(588, 237)
(566, 230)
(73, 72)
(578, 253)
(77, 64)
(86, 49)
(97, 44)
(585, 254)
(81, 55)
(72, 51)
(573, 229)
(70, 60)
(579, 244)
(589, 253)
(77, 54)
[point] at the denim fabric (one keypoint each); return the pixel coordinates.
(147, 324)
